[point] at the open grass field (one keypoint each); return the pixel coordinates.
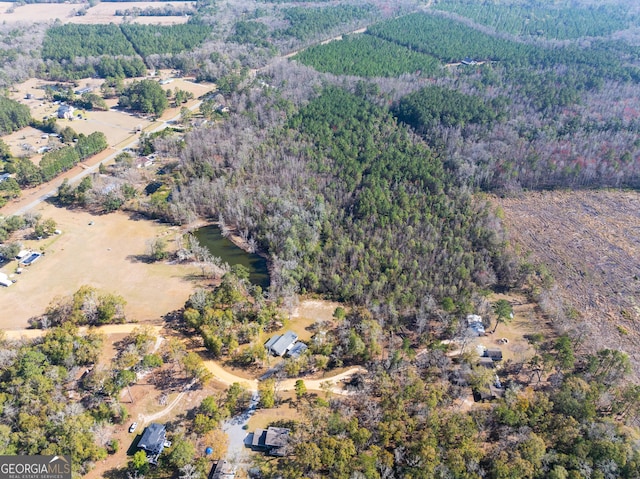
(590, 243)
(116, 125)
(105, 255)
(105, 13)
(102, 13)
(26, 142)
(37, 12)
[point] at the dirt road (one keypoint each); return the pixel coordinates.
(106, 329)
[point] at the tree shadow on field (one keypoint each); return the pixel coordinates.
(137, 216)
(115, 473)
(141, 258)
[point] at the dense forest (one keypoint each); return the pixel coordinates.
(306, 23)
(361, 169)
(13, 115)
(367, 215)
(560, 23)
(368, 56)
(153, 39)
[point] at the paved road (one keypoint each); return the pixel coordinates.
(91, 165)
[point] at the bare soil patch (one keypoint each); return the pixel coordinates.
(103, 13)
(38, 12)
(106, 255)
(590, 242)
(190, 85)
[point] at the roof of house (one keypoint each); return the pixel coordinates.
(271, 341)
(486, 362)
(493, 353)
(277, 437)
(153, 438)
(283, 343)
(297, 350)
(270, 438)
(259, 437)
(473, 318)
(65, 108)
(222, 470)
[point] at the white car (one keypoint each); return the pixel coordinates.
(133, 427)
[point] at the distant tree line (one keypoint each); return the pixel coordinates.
(13, 115)
(547, 21)
(368, 56)
(306, 23)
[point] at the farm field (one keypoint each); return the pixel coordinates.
(105, 255)
(26, 141)
(105, 13)
(589, 242)
(38, 12)
(102, 13)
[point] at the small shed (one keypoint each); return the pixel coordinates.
(4, 177)
(5, 281)
(486, 362)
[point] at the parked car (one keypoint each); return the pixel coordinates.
(133, 427)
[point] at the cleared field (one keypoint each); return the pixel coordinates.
(590, 242)
(105, 13)
(104, 255)
(38, 12)
(116, 125)
(189, 85)
(26, 142)
(102, 13)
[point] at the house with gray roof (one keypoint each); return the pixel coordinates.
(280, 345)
(153, 441)
(272, 440)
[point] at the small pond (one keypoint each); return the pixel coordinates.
(211, 237)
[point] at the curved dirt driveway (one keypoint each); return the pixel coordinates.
(229, 378)
(219, 373)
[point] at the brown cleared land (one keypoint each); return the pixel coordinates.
(102, 13)
(105, 255)
(590, 242)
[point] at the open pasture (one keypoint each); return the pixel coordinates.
(106, 13)
(106, 255)
(26, 142)
(37, 12)
(102, 13)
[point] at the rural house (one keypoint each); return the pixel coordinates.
(271, 441)
(65, 112)
(279, 345)
(494, 354)
(474, 322)
(153, 441)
